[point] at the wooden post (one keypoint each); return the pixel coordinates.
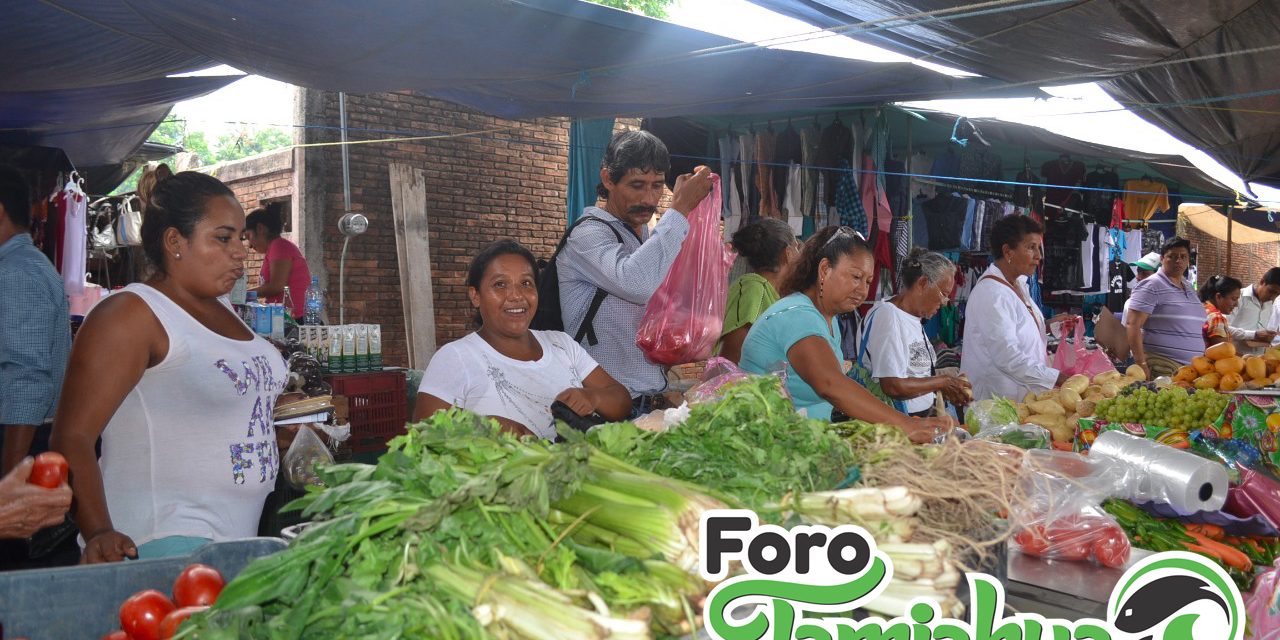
(409, 210)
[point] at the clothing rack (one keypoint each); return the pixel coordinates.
(954, 186)
(1064, 209)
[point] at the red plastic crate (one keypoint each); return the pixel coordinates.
(377, 407)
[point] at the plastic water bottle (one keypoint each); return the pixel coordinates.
(250, 309)
(314, 303)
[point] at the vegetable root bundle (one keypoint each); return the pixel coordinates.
(962, 486)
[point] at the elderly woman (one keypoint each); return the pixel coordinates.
(507, 371)
(1166, 318)
(770, 247)
(1005, 342)
(894, 343)
(831, 276)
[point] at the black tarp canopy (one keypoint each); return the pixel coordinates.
(1203, 70)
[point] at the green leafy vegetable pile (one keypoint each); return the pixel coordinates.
(461, 531)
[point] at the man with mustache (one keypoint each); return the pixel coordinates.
(626, 272)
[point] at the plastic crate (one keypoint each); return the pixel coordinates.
(84, 601)
(376, 407)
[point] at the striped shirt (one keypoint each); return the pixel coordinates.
(630, 272)
(35, 333)
(1176, 323)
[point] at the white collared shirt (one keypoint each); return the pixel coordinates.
(1250, 317)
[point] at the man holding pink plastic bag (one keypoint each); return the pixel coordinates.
(612, 262)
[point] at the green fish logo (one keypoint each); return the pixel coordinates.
(1176, 596)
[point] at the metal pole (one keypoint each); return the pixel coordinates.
(346, 202)
(911, 227)
(1230, 221)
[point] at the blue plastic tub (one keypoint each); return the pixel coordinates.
(84, 601)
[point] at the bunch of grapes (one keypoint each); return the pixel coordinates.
(1172, 408)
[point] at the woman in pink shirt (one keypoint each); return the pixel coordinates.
(282, 262)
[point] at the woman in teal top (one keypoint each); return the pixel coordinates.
(769, 246)
(831, 276)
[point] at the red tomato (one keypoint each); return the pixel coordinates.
(169, 626)
(1072, 551)
(50, 470)
(116, 635)
(1112, 549)
(197, 586)
(141, 614)
(1032, 541)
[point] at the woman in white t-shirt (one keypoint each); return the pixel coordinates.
(897, 351)
(505, 370)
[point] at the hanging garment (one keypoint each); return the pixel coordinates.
(809, 138)
(1088, 267)
(966, 231)
(75, 235)
(746, 173)
(1063, 270)
(765, 142)
(786, 151)
(835, 147)
(895, 185)
(873, 196)
(849, 203)
(882, 277)
(730, 147)
(945, 215)
(1145, 198)
(919, 223)
(920, 165)
(1063, 173)
(1102, 188)
(901, 237)
(791, 202)
(1027, 196)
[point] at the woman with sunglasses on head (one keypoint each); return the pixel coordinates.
(1166, 318)
(1005, 342)
(894, 344)
(831, 276)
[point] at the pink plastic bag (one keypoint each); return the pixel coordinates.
(685, 315)
(1077, 359)
(1262, 606)
(1256, 495)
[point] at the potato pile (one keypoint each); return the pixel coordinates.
(1221, 369)
(1059, 410)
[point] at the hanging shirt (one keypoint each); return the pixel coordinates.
(730, 147)
(1145, 198)
(966, 232)
(470, 374)
(809, 139)
(834, 149)
(1006, 354)
(1063, 270)
(945, 215)
(1069, 174)
(874, 201)
(1103, 187)
(787, 150)
(191, 451)
(898, 348)
(849, 202)
(765, 142)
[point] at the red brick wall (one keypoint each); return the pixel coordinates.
(1248, 261)
(257, 181)
(480, 188)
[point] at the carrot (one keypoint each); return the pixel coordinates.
(1211, 531)
(1204, 551)
(1234, 558)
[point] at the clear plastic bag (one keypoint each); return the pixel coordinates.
(1022, 436)
(993, 413)
(1058, 513)
(683, 319)
(305, 453)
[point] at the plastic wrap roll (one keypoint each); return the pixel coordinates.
(1160, 473)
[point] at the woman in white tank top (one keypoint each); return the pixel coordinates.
(179, 389)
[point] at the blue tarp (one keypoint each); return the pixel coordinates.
(508, 58)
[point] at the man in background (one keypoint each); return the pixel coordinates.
(35, 326)
(1255, 316)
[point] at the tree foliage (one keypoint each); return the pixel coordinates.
(229, 146)
(651, 8)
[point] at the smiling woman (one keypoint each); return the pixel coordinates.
(508, 372)
(178, 388)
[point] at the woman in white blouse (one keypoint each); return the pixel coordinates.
(505, 370)
(1005, 350)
